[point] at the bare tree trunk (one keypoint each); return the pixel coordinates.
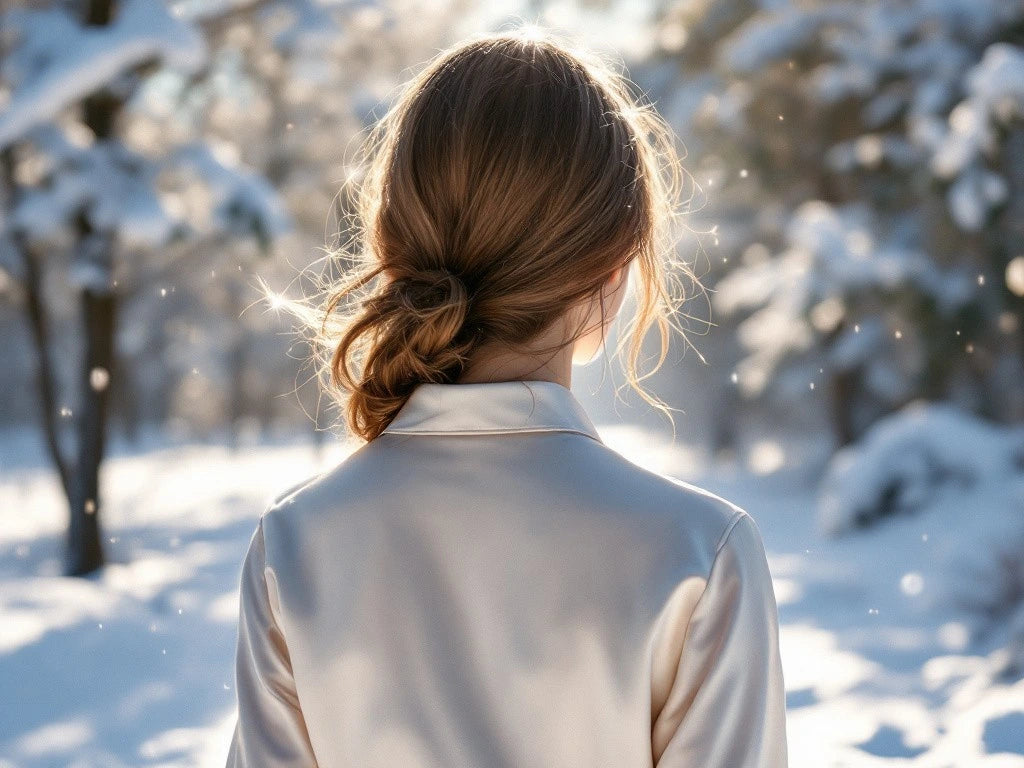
(85, 551)
(35, 313)
(47, 386)
(842, 385)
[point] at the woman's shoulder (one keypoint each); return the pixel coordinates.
(694, 509)
(319, 489)
(673, 512)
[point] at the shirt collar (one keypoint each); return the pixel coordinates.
(490, 408)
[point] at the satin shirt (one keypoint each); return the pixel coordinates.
(488, 585)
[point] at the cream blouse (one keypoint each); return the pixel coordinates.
(488, 585)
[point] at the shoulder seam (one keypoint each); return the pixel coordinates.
(737, 516)
(733, 522)
(281, 498)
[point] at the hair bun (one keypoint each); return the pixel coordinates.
(428, 310)
(432, 289)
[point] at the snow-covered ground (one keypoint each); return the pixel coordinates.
(885, 665)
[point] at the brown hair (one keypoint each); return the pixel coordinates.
(510, 179)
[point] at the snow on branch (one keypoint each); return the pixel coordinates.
(309, 21)
(62, 62)
(770, 36)
(106, 181)
(995, 88)
(245, 203)
(804, 293)
(118, 191)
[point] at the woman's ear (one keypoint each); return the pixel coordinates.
(616, 277)
(615, 287)
(601, 311)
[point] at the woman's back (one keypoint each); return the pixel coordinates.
(484, 583)
(487, 584)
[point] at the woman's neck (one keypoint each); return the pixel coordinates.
(503, 364)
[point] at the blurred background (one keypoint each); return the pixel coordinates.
(853, 375)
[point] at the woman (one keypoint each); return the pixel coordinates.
(483, 582)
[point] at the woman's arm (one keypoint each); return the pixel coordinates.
(270, 730)
(726, 706)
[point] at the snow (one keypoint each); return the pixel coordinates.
(69, 62)
(908, 457)
(144, 649)
(998, 76)
(995, 95)
(770, 35)
(114, 184)
(245, 203)
(117, 189)
(973, 194)
(930, 62)
(831, 258)
(883, 666)
(870, 150)
(313, 25)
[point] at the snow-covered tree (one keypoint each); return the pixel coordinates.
(864, 164)
(154, 154)
(76, 183)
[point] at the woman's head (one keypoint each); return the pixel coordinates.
(515, 183)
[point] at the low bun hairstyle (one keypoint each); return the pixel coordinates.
(418, 326)
(510, 179)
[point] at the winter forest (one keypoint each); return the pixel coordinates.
(852, 373)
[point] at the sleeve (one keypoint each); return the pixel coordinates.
(726, 705)
(270, 729)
